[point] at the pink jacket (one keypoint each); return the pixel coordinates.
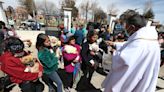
(69, 57)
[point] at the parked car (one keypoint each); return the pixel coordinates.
(36, 26)
(42, 24)
(28, 22)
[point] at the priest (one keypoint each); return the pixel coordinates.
(136, 62)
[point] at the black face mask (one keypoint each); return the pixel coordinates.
(49, 47)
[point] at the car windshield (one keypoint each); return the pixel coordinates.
(31, 20)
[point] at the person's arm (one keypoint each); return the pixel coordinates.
(116, 45)
(69, 56)
(15, 68)
(47, 59)
(85, 54)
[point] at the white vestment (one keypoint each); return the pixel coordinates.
(135, 66)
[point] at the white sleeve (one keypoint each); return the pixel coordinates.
(118, 45)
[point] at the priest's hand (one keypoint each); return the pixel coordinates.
(110, 43)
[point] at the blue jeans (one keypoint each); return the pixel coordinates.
(49, 82)
(55, 78)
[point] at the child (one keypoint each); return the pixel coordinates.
(71, 56)
(49, 61)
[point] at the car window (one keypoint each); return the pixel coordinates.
(31, 21)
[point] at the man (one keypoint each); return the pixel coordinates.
(136, 62)
(79, 36)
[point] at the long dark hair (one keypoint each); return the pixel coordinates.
(40, 40)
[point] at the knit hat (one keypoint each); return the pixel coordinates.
(14, 45)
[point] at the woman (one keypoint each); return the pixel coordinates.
(89, 56)
(50, 63)
(12, 65)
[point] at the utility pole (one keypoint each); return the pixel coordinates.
(33, 10)
(46, 14)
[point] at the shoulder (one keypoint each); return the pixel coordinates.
(8, 58)
(85, 43)
(77, 46)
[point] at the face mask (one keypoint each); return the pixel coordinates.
(127, 34)
(49, 47)
(129, 31)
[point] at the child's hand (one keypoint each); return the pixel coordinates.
(110, 43)
(76, 59)
(92, 53)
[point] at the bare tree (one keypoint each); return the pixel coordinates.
(148, 6)
(21, 13)
(100, 15)
(94, 7)
(148, 12)
(86, 7)
(112, 9)
(29, 5)
(47, 7)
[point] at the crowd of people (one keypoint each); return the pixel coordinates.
(135, 62)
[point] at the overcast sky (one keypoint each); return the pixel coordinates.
(121, 5)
